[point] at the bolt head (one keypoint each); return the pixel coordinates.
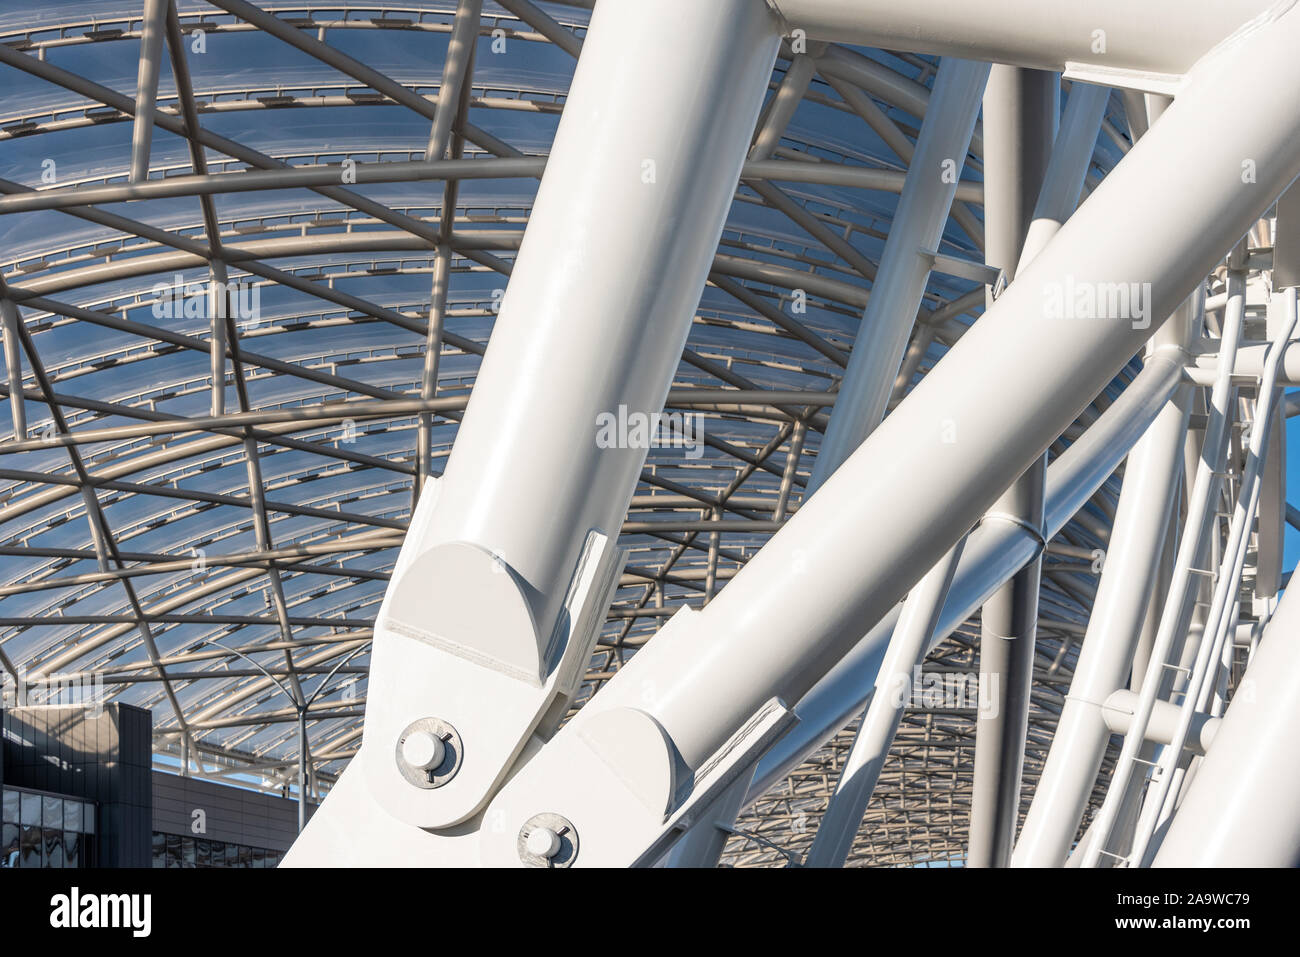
(423, 750)
(542, 842)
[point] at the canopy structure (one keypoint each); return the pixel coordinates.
(254, 255)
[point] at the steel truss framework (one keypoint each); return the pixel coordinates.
(202, 509)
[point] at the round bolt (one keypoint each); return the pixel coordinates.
(423, 750)
(428, 753)
(543, 842)
(547, 840)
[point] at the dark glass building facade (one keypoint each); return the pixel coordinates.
(77, 790)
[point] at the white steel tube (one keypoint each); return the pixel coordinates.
(618, 246)
(1157, 36)
(907, 648)
(1225, 593)
(1071, 156)
(1241, 809)
(993, 553)
(1106, 656)
(146, 88)
(1021, 109)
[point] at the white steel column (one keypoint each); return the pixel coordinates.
(1021, 108)
(1241, 809)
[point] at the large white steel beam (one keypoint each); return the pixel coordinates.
(497, 589)
(995, 551)
(641, 750)
(1104, 38)
(1240, 810)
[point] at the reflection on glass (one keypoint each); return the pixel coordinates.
(9, 807)
(9, 845)
(71, 849)
(52, 814)
(29, 854)
(53, 841)
(31, 808)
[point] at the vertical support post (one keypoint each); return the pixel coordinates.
(219, 307)
(1240, 809)
(1146, 499)
(455, 71)
(1021, 108)
(302, 766)
(146, 86)
(14, 367)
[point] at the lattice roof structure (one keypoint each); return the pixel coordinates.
(202, 512)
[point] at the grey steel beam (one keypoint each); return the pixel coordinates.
(544, 24)
(14, 368)
(146, 86)
(101, 533)
(1021, 110)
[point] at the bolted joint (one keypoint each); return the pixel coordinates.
(547, 840)
(429, 753)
